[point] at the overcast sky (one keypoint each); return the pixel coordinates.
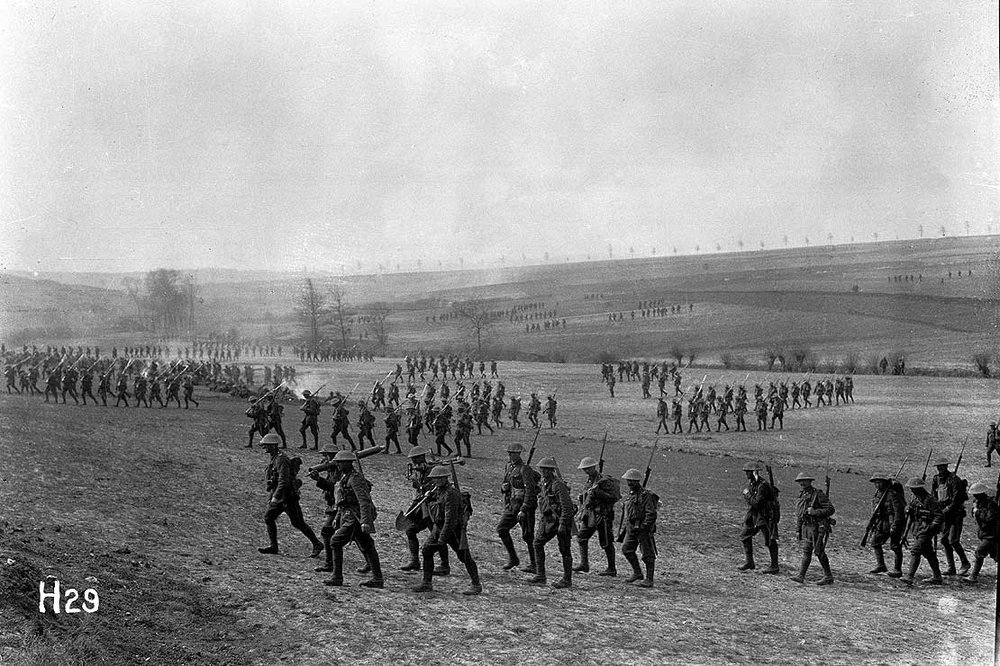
(285, 135)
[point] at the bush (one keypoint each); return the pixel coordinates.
(851, 363)
(727, 360)
(692, 355)
(982, 360)
(677, 354)
(771, 354)
(872, 363)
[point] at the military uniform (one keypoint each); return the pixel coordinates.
(283, 489)
(889, 512)
(448, 519)
(355, 522)
(762, 516)
(637, 527)
(813, 511)
(189, 392)
(392, 430)
(985, 511)
(597, 504)
(950, 492)
(342, 423)
(520, 498)
(662, 412)
(417, 472)
(555, 520)
(925, 522)
(992, 443)
(550, 410)
(534, 407)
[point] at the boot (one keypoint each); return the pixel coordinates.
(567, 579)
(445, 568)
(584, 565)
(636, 571)
(962, 558)
(272, 537)
(949, 555)
(773, 551)
(912, 570)
(648, 580)
(824, 562)
(611, 570)
(539, 568)
(973, 577)
(935, 578)
(512, 559)
(897, 568)
(328, 552)
(803, 568)
(879, 562)
(475, 586)
(425, 586)
(317, 548)
(531, 568)
(414, 563)
(748, 564)
(376, 580)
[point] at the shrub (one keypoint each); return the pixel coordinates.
(982, 360)
(851, 363)
(727, 360)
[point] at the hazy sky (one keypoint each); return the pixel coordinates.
(287, 134)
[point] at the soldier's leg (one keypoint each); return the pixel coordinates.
(877, 547)
(954, 537)
(314, 428)
(465, 557)
(367, 545)
(819, 548)
(413, 546)
(628, 550)
(250, 434)
(325, 533)
(507, 521)
(583, 541)
(746, 536)
(270, 522)
(807, 552)
(605, 539)
(563, 539)
(468, 445)
(342, 535)
(932, 560)
(528, 535)
(771, 542)
(538, 545)
(986, 548)
(648, 548)
(281, 433)
(949, 552)
(298, 521)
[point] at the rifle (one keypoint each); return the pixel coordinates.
(878, 506)
(649, 464)
(600, 463)
(827, 474)
(961, 453)
(774, 489)
(531, 451)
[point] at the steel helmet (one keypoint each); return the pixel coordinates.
(916, 482)
(804, 477)
(514, 447)
(268, 440)
(547, 463)
(632, 475)
(439, 472)
(345, 456)
(587, 462)
(752, 467)
(418, 451)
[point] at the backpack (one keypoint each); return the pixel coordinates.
(616, 488)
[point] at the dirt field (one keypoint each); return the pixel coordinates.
(163, 508)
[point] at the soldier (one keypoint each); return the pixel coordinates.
(704, 412)
(449, 517)
(806, 390)
(763, 514)
(328, 485)
(392, 430)
(284, 497)
(848, 389)
(597, 503)
(889, 514)
(534, 407)
(311, 408)
(662, 411)
(693, 412)
(11, 373)
(520, 497)
(514, 411)
(497, 411)
(155, 391)
(274, 411)
(740, 411)
(355, 521)
(950, 492)
(985, 511)
(778, 413)
(637, 527)
(812, 511)
(173, 390)
(258, 415)
(795, 396)
(86, 384)
(992, 443)
(925, 521)
(104, 387)
(611, 385)
(555, 519)
(366, 423)
(442, 426)
(341, 421)
(140, 390)
(69, 385)
(189, 391)
(761, 409)
(394, 393)
(417, 472)
(550, 410)
(121, 390)
(723, 408)
(463, 428)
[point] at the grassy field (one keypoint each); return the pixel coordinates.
(163, 508)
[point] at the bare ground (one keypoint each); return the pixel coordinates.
(164, 509)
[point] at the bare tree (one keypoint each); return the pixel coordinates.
(312, 310)
(379, 314)
(476, 315)
(166, 299)
(338, 307)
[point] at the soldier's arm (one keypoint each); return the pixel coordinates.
(822, 506)
(565, 506)
(602, 492)
(759, 498)
(897, 513)
(283, 487)
(452, 511)
(530, 478)
(360, 488)
(649, 513)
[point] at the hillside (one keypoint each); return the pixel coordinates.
(833, 300)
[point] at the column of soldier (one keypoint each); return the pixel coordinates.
(440, 507)
(149, 378)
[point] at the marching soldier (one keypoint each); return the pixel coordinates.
(392, 430)
(104, 388)
(889, 509)
(950, 492)
(514, 411)
(442, 426)
(284, 497)
(985, 511)
(173, 390)
(328, 485)
(534, 407)
(661, 414)
(992, 443)
(311, 409)
(600, 494)
(86, 384)
(448, 521)
(813, 510)
(417, 472)
(761, 409)
(925, 521)
(693, 412)
(520, 497)
(69, 386)
(638, 527)
(778, 413)
(341, 421)
(463, 428)
(274, 411)
(366, 422)
(121, 390)
(155, 391)
(555, 519)
(550, 410)
(677, 412)
(355, 521)
(611, 385)
(763, 514)
(189, 391)
(258, 415)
